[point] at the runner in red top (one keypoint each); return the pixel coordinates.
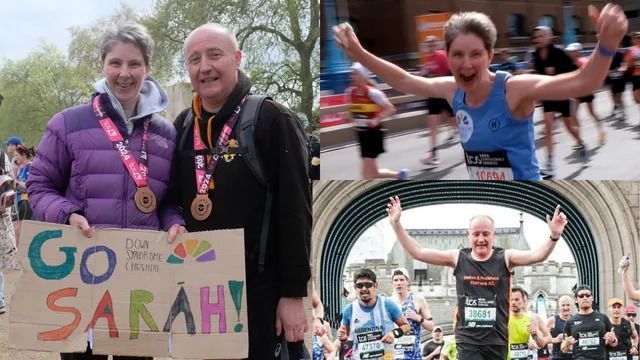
(434, 64)
(368, 106)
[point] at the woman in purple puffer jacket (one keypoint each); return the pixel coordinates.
(84, 174)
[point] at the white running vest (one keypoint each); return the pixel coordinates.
(368, 328)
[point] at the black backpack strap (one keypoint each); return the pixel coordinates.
(246, 138)
(246, 135)
(188, 121)
(264, 230)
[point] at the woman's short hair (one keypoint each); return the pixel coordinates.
(135, 34)
(471, 22)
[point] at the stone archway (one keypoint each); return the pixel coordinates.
(603, 221)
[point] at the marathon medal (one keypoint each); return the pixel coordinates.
(201, 207)
(145, 199)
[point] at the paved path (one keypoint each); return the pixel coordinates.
(616, 160)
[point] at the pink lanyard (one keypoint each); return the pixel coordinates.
(204, 174)
(138, 171)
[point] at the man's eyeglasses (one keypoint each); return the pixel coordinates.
(582, 296)
(631, 315)
(366, 285)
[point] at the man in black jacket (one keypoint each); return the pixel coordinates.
(277, 270)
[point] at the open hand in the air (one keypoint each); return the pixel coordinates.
(347, 40)
(394, 210)
(610, 23)
(557, 222)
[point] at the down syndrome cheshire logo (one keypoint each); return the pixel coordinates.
(194, 248)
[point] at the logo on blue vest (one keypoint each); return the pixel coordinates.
(494, 124)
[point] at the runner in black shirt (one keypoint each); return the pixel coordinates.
(556, 326)
(617, 82)
(431, 350)
(550, 60)
(623, 329)
(631, 312)
(483, 279)
(589, 332)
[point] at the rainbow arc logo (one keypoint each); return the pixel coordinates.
(463, 119)
(199, 250)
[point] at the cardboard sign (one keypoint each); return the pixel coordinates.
(131, 293)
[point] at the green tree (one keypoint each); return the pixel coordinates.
(84, 48)
(279, 39)
(37, 87)
(47, 81)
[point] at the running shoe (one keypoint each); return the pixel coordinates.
(581, 150)
(431, 160)
(548, 172)
(602, 137)
(403, 174)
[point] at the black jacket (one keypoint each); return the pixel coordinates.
(239, 199)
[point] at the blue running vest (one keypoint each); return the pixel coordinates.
(496, 146)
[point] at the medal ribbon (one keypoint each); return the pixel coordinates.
(138, 171)
(204, 173)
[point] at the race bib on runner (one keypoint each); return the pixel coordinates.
(589, 340)
(519, 351)
(370, 345)
(479, 312)
(488, 165)
(405, 342)
(615, 74)
(361, 121)
(617, 355)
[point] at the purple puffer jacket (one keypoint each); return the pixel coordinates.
(76, 169)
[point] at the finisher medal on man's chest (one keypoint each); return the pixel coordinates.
(201, 207)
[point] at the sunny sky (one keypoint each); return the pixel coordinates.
(377, 241)
(26, 23)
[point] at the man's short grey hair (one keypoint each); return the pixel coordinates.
(482, 217)
(215, 27)
(134, 34)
